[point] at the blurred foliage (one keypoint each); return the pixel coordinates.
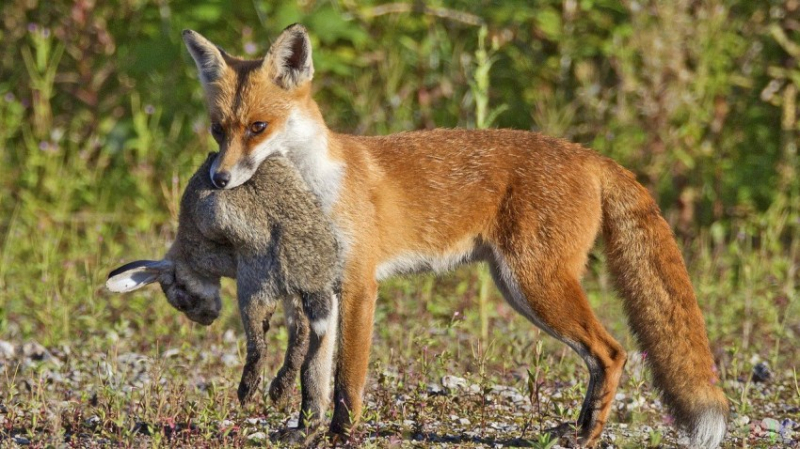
(689, 94)
(102, 117)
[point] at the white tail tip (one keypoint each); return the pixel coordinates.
(708, 430)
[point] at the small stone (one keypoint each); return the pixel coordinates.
(435, 389)
(226, 423)
(35, 351)
(497, 426)
(7, 350)
(474, 389)
(464, 422)
(454, 382)
(229, 336)
(230, 360)
(256, 421)
(770, 425)
(761, 372)
(21, 440)
(509, 393)
(92, 421)
(257, 436)
(742, 421)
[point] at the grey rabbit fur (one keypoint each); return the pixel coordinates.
(272, 236)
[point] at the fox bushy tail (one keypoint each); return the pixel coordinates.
(661, 306)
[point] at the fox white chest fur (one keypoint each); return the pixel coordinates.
(306, 144)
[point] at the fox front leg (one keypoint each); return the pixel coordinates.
(317, 370)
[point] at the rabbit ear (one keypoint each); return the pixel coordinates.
(135, 275)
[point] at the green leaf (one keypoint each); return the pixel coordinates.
(287, 14)
(206, 12)
(549, 21)
(330, 26)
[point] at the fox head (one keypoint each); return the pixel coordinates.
(257, 107)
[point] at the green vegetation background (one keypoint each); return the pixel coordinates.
(102, 121)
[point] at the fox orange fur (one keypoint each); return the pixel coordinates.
(529, 205)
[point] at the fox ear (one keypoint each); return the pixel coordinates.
(289, 59)
(209, 58)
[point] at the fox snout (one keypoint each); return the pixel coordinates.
(232, 166)
(226, 170)
(221, 179)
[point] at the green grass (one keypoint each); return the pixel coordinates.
(131, 370)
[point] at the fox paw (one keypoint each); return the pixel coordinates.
(569, 435)
(565, 434)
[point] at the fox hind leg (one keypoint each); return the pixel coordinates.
(552, 299)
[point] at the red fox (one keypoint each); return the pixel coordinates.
(529, 205)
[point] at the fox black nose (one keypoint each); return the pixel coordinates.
(221, 179)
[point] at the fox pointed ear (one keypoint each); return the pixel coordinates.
(289, 59)
(209, 58)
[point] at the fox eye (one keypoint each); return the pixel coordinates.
(258, 127)
(217, 131)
